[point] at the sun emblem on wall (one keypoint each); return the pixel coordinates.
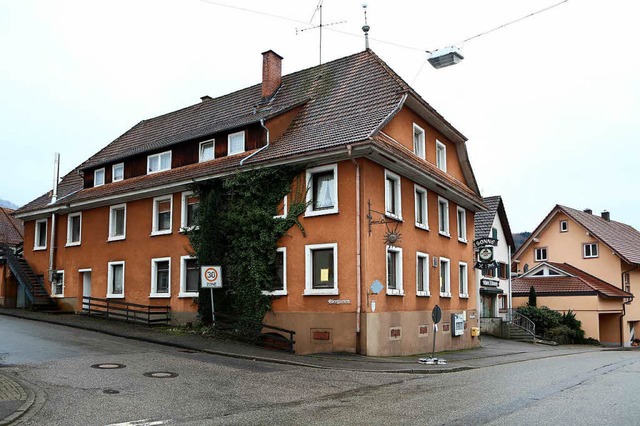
(392, 236)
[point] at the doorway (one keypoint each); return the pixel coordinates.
(86, 286)
(487, 305)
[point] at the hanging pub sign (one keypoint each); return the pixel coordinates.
(484, 251)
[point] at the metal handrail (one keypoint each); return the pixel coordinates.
(519, 320)
(254, 331)
(133, 312)
(20, 274)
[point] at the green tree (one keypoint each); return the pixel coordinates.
(533, 299)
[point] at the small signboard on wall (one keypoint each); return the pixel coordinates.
(211, 276)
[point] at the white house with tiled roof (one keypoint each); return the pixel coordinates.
(599, 246)
(494, 284)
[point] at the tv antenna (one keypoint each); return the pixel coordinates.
(318, 10)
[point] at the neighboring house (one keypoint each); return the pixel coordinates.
(494, 285)
(562, 287)
(11, 235)
(597, 245)
(370, 144)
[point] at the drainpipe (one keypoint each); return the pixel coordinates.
(358, 248)
(624, 305)
(510, 305)
(54, 197)
(51, 245)
(263, 148)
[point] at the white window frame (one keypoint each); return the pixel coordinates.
(183, 211)
(110, 266)
(422, 193)
(154, 219)
(310, 190)
(285, 207)
(38, 225)
(183, 278)
(213, 146)
(462, 226)
(420, 146)
(447, 278)
(539, 250)
(591, 255)
(387, 196)
(70, 216)
(464, 280)
(564, 226)
(282, 292)
(53, 286)
(159, 155)
(112, 223)
(244, 142)
(95, 177)
(399, 290)
(308, 288)
(426, 291)
(154, 278)
(443, 220)
(441, 163)
(113, 172)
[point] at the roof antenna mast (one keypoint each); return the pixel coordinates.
(320, 26)
(365, 27)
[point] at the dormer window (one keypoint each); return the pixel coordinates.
(117, 172)
(207, 150)
(236, 143)
(441, 156)
(418, 141)
(98, 177)
(159, 162)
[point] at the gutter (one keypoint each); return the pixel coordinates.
(358, 250)
(261, 149)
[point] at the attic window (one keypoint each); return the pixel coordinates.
(236, 143)
(207, 150)
(98, 177)
(564, 226)
(159, 162)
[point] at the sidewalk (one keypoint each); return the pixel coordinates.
(14, 400)
(492, 352)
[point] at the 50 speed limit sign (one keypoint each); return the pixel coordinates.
(211, 276)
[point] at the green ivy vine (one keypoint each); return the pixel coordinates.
(237, 230)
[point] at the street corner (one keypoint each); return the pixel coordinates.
(15, 399)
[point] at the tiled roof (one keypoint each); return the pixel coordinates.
(484, 219)
(343, 102)
(622, 238)
(579, 283)
(11, 229)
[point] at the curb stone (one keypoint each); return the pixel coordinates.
(28, 401)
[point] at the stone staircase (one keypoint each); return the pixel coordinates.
(514, 332)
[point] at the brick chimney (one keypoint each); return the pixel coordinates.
(588, 211)
(606, 216)
(271, 72)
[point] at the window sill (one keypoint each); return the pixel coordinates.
(464, 296)
(444, 234)
(421, 226)
(275, 293)
(57, 296)
(445, 294)
(187, 295)
(395, 292)
(115, 296)
(422, 294)
(159, 296)
(312, 213)
(590, 257)
(185, 229)
(39, 248)
(393, 216)
(72, 244)
(156, 233)
(116, 238)
(462, 241)
(321, 292)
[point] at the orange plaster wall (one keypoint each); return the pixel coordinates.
(278, 125)
(401, 129)
(95, 252)
(567, 247)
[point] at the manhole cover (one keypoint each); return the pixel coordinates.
(161, 374)
(110, 391)
(108, 366)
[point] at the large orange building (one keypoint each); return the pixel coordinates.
(374, 151)
(599, 252)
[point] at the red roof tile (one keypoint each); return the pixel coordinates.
(11, 229)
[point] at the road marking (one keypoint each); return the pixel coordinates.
(143, 422)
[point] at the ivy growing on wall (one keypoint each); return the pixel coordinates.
(237, 230)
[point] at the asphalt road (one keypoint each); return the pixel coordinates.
(590, 388)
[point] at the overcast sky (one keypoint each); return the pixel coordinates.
(551, 105)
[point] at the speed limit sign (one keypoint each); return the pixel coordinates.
(211, 276)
